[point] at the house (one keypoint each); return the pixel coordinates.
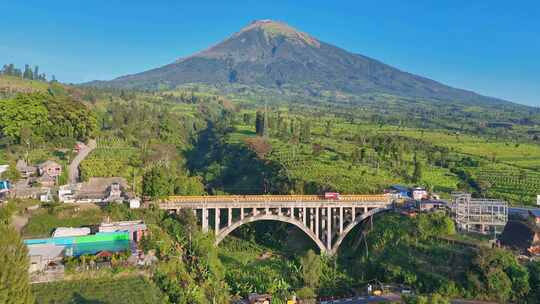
(400, 192)
(419, 193)
(259, 298)
(46, 196)
(3, 168)
(96, 190)
(25, 170)
(522, 236)
(78, 147)
(50, 169)
(136, 229)
(46, 181)
(4, 186)
(43, 256)
(430, 205)
(534, 215)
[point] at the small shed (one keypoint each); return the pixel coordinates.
(134, 203)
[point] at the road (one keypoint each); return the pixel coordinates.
(392, 298)
(73, 172)
(365, 300)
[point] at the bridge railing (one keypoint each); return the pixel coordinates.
(384, 198)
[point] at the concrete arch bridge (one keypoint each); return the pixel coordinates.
(327, 222)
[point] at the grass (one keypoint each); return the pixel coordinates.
(133, 289)
(42, 222)
(16, 84)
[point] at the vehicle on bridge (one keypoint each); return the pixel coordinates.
(332, 196)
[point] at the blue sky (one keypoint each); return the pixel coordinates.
(491, 47)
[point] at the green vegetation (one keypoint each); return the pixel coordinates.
(30, 119)
(28, 73)
(13, 258)
(131, 289)
(42, 222)
(408, 250)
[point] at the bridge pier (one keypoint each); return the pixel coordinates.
(204, 220)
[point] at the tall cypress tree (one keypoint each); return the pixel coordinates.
(417, 173)
(27, 74)
(15, 287)
(259, 124)
(36, 73)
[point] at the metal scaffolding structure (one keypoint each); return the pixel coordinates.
(479, 215)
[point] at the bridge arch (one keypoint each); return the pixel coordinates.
(358, 220)
(271, 217)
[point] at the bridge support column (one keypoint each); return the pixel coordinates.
(216, 221)
(340, 220)
(292, 213)
(229, 216)
(312, 219)
(328, 228)
(204, 220)
(353, 213)
(304, 216)
(241, 213)
(316, 221)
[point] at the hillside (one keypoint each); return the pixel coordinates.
(272, 55)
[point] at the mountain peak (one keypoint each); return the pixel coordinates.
(273, 29)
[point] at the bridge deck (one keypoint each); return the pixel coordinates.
(273, 198)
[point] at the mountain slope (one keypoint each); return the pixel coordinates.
(273, 55)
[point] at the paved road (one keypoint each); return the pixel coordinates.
(74, 166)
(392, 298)
(365, 300)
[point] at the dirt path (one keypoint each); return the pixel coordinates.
(18, 222)
(74, 166)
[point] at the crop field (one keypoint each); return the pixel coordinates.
(519, 154)
(331, 165)
(103, 291)
(509, 183)
(110, 158)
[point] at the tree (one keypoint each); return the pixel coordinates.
(311, 269)
(328, 128)
(356, 156)
(156, 182)
(417, 173)
(14, 271)
(259, 124)
(305, 134)
(36, 75)
(27, 74)
(534, 281)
